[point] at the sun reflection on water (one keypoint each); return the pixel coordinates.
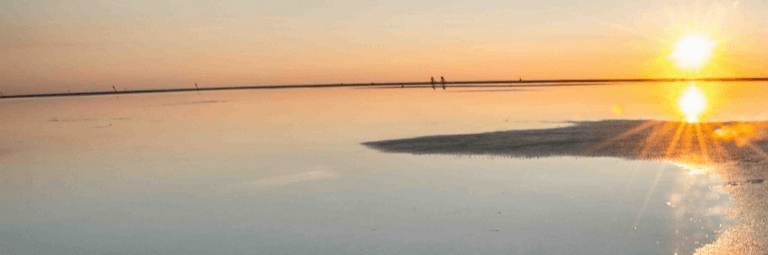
(694, 169)
(692, 103)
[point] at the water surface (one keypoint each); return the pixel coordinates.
(284, 172)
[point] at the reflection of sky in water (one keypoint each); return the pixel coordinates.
(699, 206)
(265, 171)
(406, 204)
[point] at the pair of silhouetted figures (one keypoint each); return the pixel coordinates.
(442, 81)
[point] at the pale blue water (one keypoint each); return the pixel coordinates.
(260, 173)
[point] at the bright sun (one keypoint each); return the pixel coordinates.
(692, 103)
(692, 52)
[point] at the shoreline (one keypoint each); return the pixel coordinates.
(735, 151)
(694, 143)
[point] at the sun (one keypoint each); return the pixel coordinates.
(692, 52)
(692, 103)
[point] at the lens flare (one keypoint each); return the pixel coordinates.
(741, 133)
(692, 103)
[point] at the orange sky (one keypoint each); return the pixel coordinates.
(77, 45)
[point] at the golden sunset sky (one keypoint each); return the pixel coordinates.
(60, 45)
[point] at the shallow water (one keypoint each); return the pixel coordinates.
(284, 172)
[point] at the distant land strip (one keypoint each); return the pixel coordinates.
(510, 83)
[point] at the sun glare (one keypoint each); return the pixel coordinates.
(692, 103)
(692, 52)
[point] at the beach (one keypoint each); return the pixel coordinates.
(734, 151)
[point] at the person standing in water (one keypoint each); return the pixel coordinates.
(433, 82)
(442, 80)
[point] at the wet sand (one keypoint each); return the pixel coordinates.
(736, 151)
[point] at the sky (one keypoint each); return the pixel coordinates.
(76, 45)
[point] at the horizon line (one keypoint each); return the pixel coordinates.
(512, 83)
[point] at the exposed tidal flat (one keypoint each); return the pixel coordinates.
(733, 151)
(284, 172)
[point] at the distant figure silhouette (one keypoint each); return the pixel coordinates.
(433, 82)
(442, 80)
(521, 78)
